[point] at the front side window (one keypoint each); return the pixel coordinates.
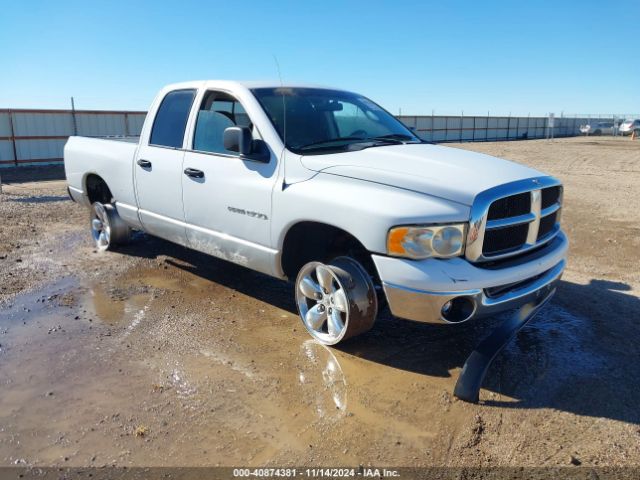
(315, 120)
(218, 112)
(171, 119)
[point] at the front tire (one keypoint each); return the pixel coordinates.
(107, 228)
(336, 301)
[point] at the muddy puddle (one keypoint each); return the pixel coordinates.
(176, 365)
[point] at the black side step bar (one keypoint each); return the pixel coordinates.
(475, 368)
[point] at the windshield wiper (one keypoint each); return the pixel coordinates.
(364, 142)
(383, 140)
(394, 137)
(332, 140)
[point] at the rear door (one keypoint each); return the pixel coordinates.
(158, 168)
(227, 204)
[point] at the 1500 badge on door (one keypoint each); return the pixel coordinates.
(249, 213)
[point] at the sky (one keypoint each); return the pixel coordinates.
(418, 57)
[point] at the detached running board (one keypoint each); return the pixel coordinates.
(475, 368)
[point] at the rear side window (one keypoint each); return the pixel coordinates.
(171, 119)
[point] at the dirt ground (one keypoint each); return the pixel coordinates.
(160, 356)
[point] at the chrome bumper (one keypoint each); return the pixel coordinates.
(426, 306)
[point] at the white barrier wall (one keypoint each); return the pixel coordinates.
(482, 129)
(37, 137)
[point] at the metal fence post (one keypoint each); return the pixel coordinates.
(126, 124)
(486, 128)
(73, 117)
(432, 112)
(446, 127)
(13, 138)
(546, 127)
(474, 129)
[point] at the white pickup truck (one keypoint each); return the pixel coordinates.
(327, 189)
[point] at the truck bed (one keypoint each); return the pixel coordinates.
(110, 158)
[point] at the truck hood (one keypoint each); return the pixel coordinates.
(450, 173)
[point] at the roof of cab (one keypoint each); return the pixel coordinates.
(230, 84)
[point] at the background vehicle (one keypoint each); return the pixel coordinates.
(326, 188)
(598, 128)
(628, 126)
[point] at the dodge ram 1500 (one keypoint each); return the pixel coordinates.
(327, 189)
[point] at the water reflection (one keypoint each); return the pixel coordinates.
(323, 385)
(117, 306)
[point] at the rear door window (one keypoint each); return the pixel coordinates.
(171, 119)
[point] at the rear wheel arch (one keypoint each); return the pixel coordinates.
(97, 189)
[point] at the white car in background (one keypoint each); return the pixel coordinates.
(628, 126)
(598, 128)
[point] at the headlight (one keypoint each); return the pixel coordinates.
(423, 242)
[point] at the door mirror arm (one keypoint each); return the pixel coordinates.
(259, 152)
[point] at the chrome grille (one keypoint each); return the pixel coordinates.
(550, 196)
(510, 206)
(513, 218)
(504, 239)
(547, 224)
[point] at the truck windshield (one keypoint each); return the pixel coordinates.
(325, 121)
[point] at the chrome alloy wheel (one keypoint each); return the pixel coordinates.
(100, 226)
(335, 301)
(107, 228)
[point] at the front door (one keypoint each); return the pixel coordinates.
(158, 169)
(227, 199)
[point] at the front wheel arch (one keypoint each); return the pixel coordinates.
(309, 241)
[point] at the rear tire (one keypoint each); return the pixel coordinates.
(336, 301)
(107, 228)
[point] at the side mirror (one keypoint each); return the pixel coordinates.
(239, 139)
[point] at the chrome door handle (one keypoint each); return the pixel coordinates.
(192, 172)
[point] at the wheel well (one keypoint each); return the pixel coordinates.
(97, 189)
(309, 241)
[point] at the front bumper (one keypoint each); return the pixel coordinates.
(418, 290)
